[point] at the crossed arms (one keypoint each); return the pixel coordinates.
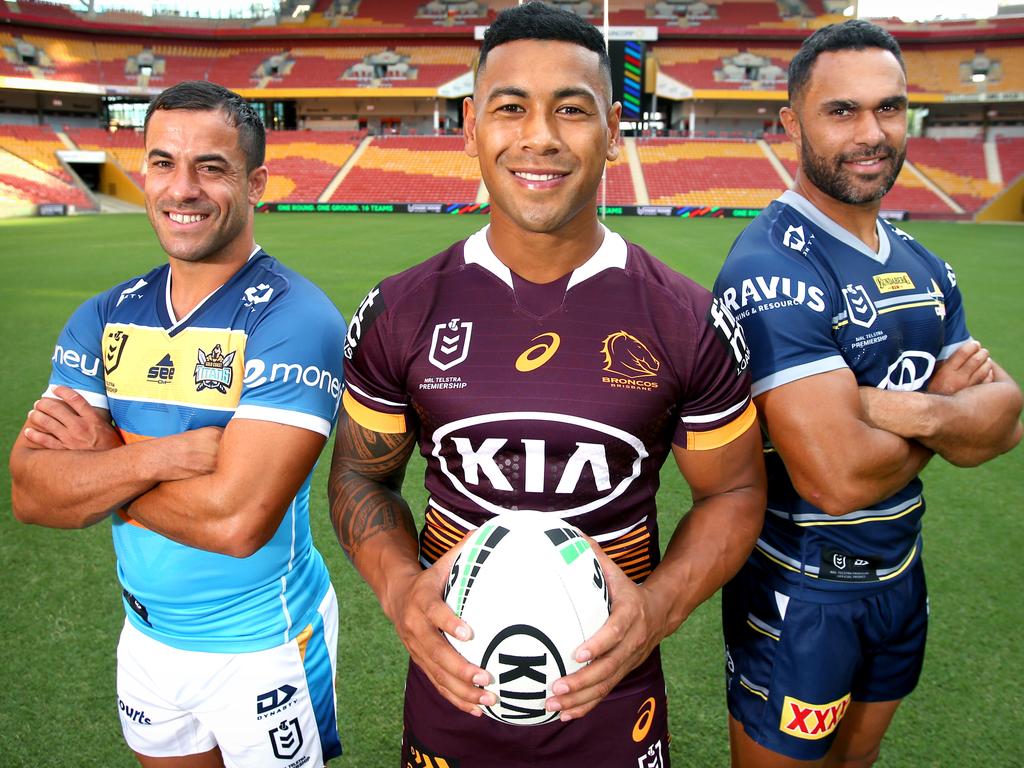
(847, 447)
(376, 529)
(212, 489)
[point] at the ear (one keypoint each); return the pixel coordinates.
(791, 124)
(614, 116)
(257, 184)
(469, 126)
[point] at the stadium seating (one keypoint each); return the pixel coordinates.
(302, 163)
(1011, 157)
(24, 182)
(619, 183)
(939, 68)
(411, 169)
(36, 144)
(957, 166)
(703, 66)
(126, 146)
(708, 172)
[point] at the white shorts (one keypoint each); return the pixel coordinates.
(274, 708)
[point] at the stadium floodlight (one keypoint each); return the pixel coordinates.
(979, 77)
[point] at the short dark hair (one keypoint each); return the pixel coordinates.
(537, 21)
(203, 96)
(852, 35)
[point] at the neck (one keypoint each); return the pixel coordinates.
(543, 257)
(859, 220)
(193, 281)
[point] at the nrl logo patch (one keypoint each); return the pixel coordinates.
(113, 350)
(214, 370)
(859, 308)
(450, 343)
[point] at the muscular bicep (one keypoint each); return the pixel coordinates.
(735, 466)
(835, 459)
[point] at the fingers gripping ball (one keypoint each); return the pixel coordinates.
(532, 589)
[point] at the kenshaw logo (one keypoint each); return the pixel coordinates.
(477, 456)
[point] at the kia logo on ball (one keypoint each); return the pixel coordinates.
(527, 661)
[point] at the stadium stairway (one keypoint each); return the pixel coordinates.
(935, 188)
(343, 171)
(636, 171)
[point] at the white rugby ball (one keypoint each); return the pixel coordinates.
(532, 590)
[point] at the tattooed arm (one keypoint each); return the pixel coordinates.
(375, 528)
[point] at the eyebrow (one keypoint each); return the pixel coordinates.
(891, 101)
(562, 93)
(207, 158)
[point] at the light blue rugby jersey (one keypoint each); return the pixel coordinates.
(266, 345)
(813, 298)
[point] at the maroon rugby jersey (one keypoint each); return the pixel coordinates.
(563, 397)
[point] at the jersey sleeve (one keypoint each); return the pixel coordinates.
(717, 408)
(78, 355)
(785, 314)
(293, 364)
(955, 322)
(375, 396)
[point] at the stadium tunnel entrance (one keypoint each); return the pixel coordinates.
(100, 173)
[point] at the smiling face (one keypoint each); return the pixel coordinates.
(542, 124)
(850, 125)
(199, 196)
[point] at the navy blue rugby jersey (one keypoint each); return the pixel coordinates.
(813, 298)
(564, 397)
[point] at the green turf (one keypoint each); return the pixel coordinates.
(61, 599)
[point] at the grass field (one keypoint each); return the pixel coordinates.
(60, 599)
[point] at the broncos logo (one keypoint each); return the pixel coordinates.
(625, 355)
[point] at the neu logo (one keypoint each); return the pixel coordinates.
(527, 661)
(588, 475)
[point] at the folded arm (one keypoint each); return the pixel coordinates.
(70, 468)
(967, 426)
(837, 459)
(235, 509)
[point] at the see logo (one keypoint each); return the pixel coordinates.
(811, 721)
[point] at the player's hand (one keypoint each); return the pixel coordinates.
(188, 454)
(68, 422)
(633, 629)
(420, 615)
(969, 365)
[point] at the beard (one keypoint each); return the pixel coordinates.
(831, 177)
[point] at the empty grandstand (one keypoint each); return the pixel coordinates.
(362, 99)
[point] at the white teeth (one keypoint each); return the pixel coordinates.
(181, 218)
(537, 176)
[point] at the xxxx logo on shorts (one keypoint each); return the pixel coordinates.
(811, 721)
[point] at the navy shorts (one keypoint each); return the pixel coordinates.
(628, 729)
(793, 666)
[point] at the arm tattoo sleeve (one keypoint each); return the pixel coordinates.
(366, 482)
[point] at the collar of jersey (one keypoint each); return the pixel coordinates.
(807, 208)
(176, 324)
(610, 255)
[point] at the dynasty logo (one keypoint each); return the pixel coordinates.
(214, 370)
(630, 362)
